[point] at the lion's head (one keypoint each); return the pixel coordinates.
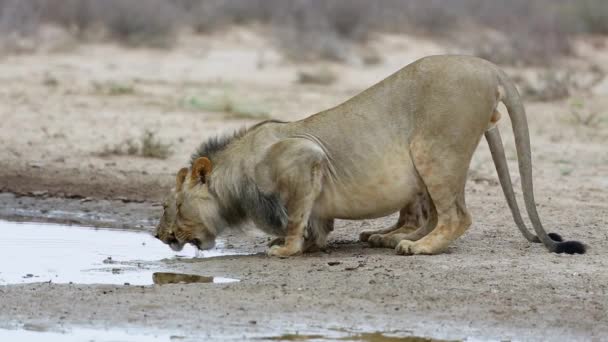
(198, 219)
(165, 231)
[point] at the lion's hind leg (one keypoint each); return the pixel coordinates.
(390, 240)
(413, 223)
(366, 234)
(444, 175)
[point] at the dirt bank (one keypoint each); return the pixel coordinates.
(490, 284)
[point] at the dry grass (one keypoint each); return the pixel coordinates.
(581, 115)
(320, 76)
(148, 146)
(152, 147)
(592, 15)
(550, 86)
(525, 32)
(113, 88)
(227, 103)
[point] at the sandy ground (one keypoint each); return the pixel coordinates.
(59, 111)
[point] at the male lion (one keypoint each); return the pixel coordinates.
(405, 144)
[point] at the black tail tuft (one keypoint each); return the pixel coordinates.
(570, 247)
(554, 236)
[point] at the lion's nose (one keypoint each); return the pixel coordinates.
(172, 238)
(197, 243)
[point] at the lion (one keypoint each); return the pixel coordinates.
(403, 145)
(177, 239)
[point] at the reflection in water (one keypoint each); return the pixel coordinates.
(99, 335)
(381, 337)
(363, 337)
(35, 252)
(163, 278)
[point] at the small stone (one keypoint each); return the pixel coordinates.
(333, 263)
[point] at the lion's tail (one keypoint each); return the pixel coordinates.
(502, 168)
(510, 97)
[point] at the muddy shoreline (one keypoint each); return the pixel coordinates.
(490, 285)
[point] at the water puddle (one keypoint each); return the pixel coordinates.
(363, 337)
(80, 334)
(26, 333)
(164, 278)
(36, 252)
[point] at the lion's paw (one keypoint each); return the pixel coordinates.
(407, 247)
(282, 251)
(376, 240)
(276, 242)
(365, 235)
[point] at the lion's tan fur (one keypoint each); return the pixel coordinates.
(406, 142)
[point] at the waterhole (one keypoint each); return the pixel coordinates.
(82, 334)
(29, 333)
(164, 278)
(345, 336)
(36, 252)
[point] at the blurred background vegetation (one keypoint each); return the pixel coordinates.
(516, 32)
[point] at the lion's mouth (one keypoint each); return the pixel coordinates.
(176, 245)
(196, 243)
(200, 245)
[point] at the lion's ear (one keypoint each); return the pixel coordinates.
(180, 178)
(201, 168)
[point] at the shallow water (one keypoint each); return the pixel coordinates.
(164, 278)
(81, 334)
(37, 252)
(346, 336)
(113, 335)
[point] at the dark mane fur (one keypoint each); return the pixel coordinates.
(216, 144)
(265, 210)
(246, 201)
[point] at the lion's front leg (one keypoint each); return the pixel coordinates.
(298, 209)
(315, 238)
(294, 168)
(277, 241)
